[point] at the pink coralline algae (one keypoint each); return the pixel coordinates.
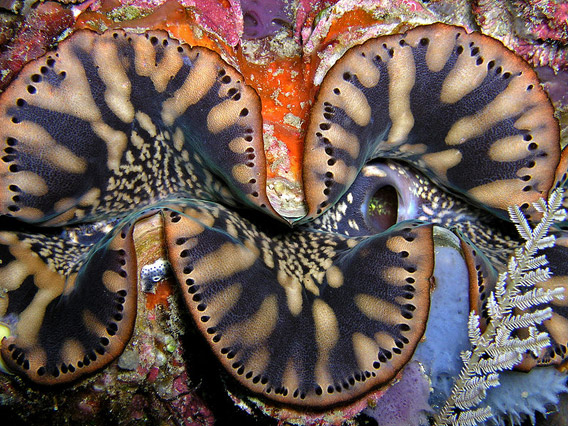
(230, 19)
(222, 17)
(34, 37)
(536, 30)
(547, 19)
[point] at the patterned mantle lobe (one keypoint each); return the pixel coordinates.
(459, 106)
(139, 118)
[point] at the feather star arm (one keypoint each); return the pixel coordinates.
(496, 349)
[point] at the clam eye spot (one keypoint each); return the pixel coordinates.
(382, 208)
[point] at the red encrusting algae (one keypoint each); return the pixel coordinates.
(35, 36)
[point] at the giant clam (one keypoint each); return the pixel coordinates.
(310, 310)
